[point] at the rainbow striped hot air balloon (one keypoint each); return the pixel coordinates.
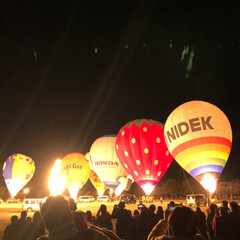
(199, 137)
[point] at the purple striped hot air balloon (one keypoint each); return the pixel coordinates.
(199, 137)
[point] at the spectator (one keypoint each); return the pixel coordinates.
(225, 205)
(91, 232)
(23, 226)
(58, 219)
(10, 231)
(90, 217)
(160, 213)
(234, 221)
(210, 220)
(37, 228)
(201, 222)
(222, 225)
(152, 216)
(182, 225)
(144, 226)
(103, 218)
(124, 220)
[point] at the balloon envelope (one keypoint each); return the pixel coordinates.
(142, 150)
(105, 162)
(97, 183)
(199, 137)
(18, 169)
(76, 170)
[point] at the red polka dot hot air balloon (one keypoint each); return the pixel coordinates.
(199, 136)
(141, 148)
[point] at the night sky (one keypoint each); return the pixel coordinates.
(72, 71)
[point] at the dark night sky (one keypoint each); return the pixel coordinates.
(57, 95)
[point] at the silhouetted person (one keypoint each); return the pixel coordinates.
(90, 217)
(182, 225)
(10, 231)
(37, 228)
(124, 220)
(234, 221)
(225, 205)
(152, 216)
(144, 226)
(169, 209)
(103, 218)
(72, 204)
(133, 231)
(160, 213)
(201, 222)
(58, 219)
(92, 232)
(23, 226)
(222, 230)
(210, 219)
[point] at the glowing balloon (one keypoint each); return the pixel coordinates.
(105, 162)
(76, 171)
(142, 150)
(199, 137)
(18, 169)
(97, 183)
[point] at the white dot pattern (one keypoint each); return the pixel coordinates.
(158, 140)
(125, 165)
(117, 146)
(159, 173)
(147, 172)
(126, 153)
(123, 132)
(145, 129)
(146, 150)
(167, 153)
(133, 140)
(136, 173)
(155, 162)
(138, 162)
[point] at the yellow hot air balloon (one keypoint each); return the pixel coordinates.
(76, 170)
(97, 183)
(18, 169)
(199, 137)
(105, 162)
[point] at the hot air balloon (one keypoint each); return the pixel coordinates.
(105, 162)
(142, 150)
(76, 170)
(97, 183)
(199, 137)
(18, 169)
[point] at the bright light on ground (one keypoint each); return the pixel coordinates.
(209, 183)
(56, 183)
(148, 188)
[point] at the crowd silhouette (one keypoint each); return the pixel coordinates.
(59, 219)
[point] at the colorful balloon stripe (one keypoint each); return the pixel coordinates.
(203, 148)
(202, 162)
(201, 156)
(199, 141)
(206, 169)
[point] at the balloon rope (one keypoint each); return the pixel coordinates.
(187, 181)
